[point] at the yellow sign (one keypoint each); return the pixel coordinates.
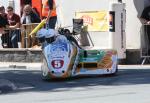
(96, 20)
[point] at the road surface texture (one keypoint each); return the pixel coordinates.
(24, 85)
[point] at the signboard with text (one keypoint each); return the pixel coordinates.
(96, 20)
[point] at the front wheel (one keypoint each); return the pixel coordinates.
(44, 69)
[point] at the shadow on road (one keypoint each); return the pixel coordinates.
(31, 80)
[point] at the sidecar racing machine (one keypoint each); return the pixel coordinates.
(63, 57)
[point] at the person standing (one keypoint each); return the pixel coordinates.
(145, 19)
(29, 16)
(145, 16)
(14, 23)
(3, 24)
(13, 18)
(49, 11)
(3, 19)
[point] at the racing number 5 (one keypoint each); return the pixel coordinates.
(57, 64)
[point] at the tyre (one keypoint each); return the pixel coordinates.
(44, 69)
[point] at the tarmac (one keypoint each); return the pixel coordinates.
(7, 86)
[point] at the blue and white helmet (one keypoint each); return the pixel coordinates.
(41, 33)
(50, 33)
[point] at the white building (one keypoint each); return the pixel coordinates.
(67, 9)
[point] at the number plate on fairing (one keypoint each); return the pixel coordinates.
(57, 64)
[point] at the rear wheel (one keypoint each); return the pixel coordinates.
(116, 71)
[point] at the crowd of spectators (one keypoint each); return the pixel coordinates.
(10, 24)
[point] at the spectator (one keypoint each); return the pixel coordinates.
(3, 24)
(3, 19)
(29, 16)
(13, 19)
(49, 12)
(145, 19)
(36, 11)
(3, 11)
(14, 23)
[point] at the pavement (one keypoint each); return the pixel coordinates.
(24, 65)
(20, 65)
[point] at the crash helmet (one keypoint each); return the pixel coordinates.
(61, 38)
(41, 35)
(50, 35)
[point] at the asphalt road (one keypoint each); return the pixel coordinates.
(130, 85)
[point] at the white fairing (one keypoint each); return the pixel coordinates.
(61, 59)
(100, 71)
(115, 64)
(58, 55)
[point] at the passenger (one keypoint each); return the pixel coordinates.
(29, 16)
(14, 23)
(49, 11)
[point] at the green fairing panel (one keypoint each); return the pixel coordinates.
(91, 55)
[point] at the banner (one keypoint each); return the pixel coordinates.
(96, 20)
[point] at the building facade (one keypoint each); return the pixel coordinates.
(66, 11)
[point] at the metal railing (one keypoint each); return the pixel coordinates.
(11, 38)
(20, 38)
(28, 41)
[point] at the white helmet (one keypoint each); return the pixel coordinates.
(42, 32)
(50, 33)
(61, 38)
